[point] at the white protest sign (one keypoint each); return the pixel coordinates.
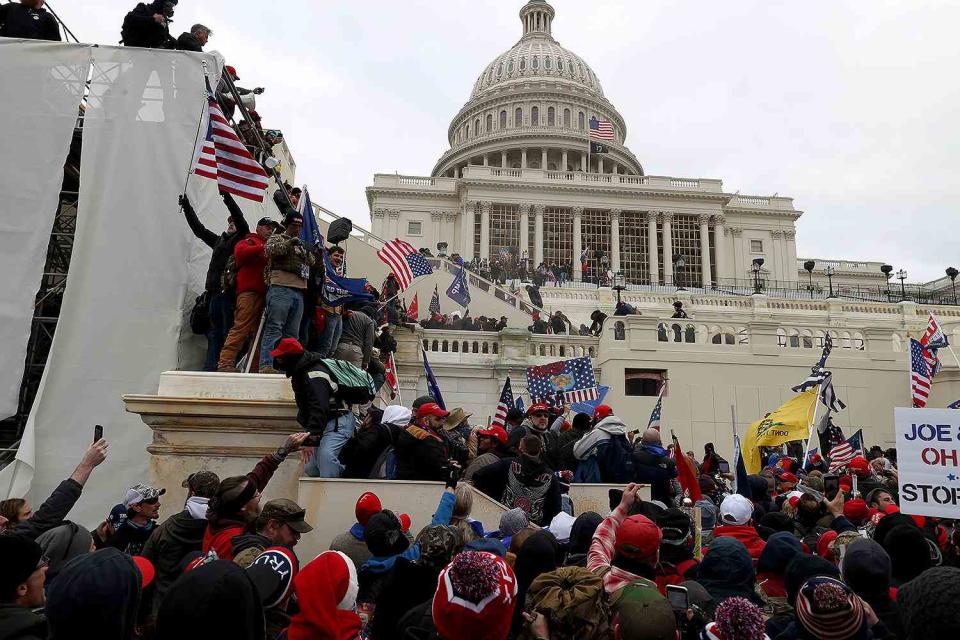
(928, 461)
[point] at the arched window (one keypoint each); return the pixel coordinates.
(547, 63)
(662, 333)
(690, 335)
(503, 119)
(445, 346)
(518, 117)
(677, 333)
(523, 64)
(551, 116)
(566, 119)
(510, 67)
(499, 69)
(581, 121)
(468, 132)
(489, 123)
(560, 65)
(535, 116)
(536, 62)
(476, 127)
(619, 331)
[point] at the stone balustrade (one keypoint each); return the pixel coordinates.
(580, 177)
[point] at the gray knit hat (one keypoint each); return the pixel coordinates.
(928, 604)
(513, 521)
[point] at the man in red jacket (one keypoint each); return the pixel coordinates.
(736, 512)
(251, 293)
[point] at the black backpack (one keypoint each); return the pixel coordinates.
(616, 460)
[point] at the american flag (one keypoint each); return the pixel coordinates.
(656, 413)
(843, 453)
(405, 262)
(506, 403)
(829, 397)
(920, 377)
(572, 380)
(435, 301)
(601, 129)
(224, 158)
(933, 338)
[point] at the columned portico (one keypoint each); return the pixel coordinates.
(523, 158)
(485, 229)
(667, 247)
(652, 247)
(615, 239)
(564, 161)
(543, 158)
(577, 243)
(705, 278)
(538, 234)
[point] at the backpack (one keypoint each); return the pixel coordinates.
(615, 459)
(353, 384)
(385, 468)
(200, 315)
(228, 281)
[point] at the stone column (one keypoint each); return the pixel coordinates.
(503, 159)
(378, 229)
(467, 219)
(577, 243)
(615, 240)
(538, 235)
(736, 267)
(564, 161)
(543, 159)
(394, 225)
(523, 158)
(437, 218)
(524, 229)
(615, 167)
(667, 217)
(486, 159)
(449, 230)
(485, 229)
(705, 250)
(720, 243)
(583, 162)
(775, 255)
(652, 247)
(790, 241)
(599, 164)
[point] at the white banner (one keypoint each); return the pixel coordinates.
(42, 86)
(928, 461)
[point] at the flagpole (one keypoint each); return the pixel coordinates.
(396, 376)
(816, 407)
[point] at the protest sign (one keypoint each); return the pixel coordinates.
(928, 461)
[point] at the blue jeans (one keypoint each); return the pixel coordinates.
(220, 310)
(284, 307)
(325, 462)
(331, 335)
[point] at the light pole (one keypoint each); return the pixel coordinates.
(952, 274)
(755, 267)
(887, 270)
(809, 265)
(678, 263)
(619, 284)
(829, 272)
(901, 276)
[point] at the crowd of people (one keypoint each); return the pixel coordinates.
(779, 558)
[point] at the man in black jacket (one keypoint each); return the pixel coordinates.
(195, 40)
(28, 20)
(181, 533)
(148, 25)
(219, 300)
(652, 465)
(525, 482)
(424, 451)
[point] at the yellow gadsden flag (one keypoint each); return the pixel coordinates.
(790, 422)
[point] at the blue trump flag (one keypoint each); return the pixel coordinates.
(459, 291)
(337, 290)
(432, 387)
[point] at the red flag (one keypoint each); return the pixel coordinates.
(687, 472)
(391, 375)
(413, 310)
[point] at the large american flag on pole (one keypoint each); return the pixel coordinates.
(506, 403)
(570, 380)
(920, 376)
(405, 261)
(601, 129)
(224, 158)
(843, 453)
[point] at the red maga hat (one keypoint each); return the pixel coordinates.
(287, 347)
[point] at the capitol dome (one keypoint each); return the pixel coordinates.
(530, 108)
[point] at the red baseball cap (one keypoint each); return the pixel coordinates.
(147, 571)
(602, 411)
(815, 458)
(404, 522)
(232, 72)
(638, 537)
(538, 408)
(367, 505)
(856, 510)
(788, 477)
(859, 465)
(431, 409)
(287, 347)
(496, 431)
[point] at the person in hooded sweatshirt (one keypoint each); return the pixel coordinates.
(539, 554)
(96, 593)
(909, 553)
(866, 568)
(736, 518)
(581, 535)
(388, 544)
(216, 600)
(676, 548)
(601, 445)
(61, 545)
(525, 482)
(181, 533)
(780, 549)
(326, 591)
(728, 571)
(799, 570)
(21, 588)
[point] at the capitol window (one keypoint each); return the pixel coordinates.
(535, 116)
(523, 64)
(547, 63)
(518, 117)
(489, 122)
(510, 67)
(499, 69)
(536, 62)
(551, 117)
(560, 65)
(756, 246)
(414, 228)
(566, 119)
(581, 121)
(503, 119)
(642, 382)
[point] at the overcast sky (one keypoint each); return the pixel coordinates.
(848, 106)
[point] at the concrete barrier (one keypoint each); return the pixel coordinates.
(330, 505)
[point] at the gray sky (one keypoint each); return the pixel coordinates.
(848, 106)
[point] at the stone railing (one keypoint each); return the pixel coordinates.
(510, 346)
(580, 177)
(776, 203)
(383, 180)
